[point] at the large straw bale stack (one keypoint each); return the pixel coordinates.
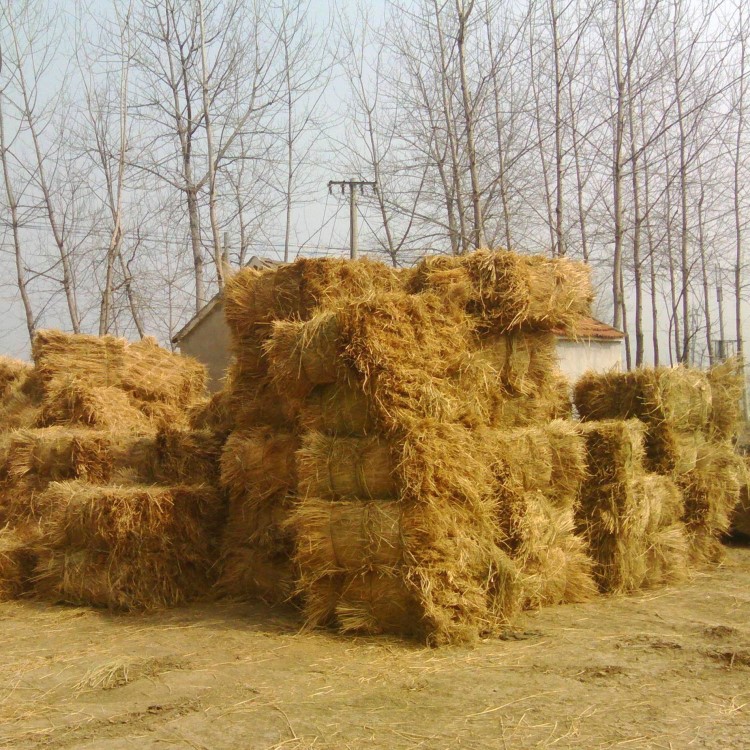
(506, 290)
(134, 547)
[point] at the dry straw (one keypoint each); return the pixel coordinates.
(726, 383)
(19, 553)
(346, 467)
(259, 464)
(505, 290)
(711, 492)
(609, 515)
(338, 409)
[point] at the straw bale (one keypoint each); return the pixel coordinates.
(75, 402)
(506, 290)
(301, 288)
(250, 574)
(338, 409)
(256, 551)
(667, 555)
(259, 463)
(258, 402)
(404, 349)
(123, 582)
(97, 361)
(552, 559)
(250, 361)
(520, 459)
(187, 456)
(555, 394)
(344, 536)
(568, 456)
(374, 603)
(346, 467)
(711, 492)
(20, 404)
(19, 553)
(12, 371)
(152, 373)
(726, 383)
(671, 451)
(660, 502)
(213, 414)
(679, 396)
(133, 519)
(609, 515)
(56, 453)
(303, 355)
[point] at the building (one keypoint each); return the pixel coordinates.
(597, 346)
(206, 336)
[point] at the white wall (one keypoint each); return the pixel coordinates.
(576, 357)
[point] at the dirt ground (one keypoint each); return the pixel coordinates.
(664, 669)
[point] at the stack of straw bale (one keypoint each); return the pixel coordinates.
(370, 472)
(689, 419)
(102, 503)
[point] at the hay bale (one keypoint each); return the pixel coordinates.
(12, 371)
(97, 361)
(187, 457)
(670, 451)
(338, 409)
(374, 603)
(259, 463)
(726, 382)
(138, 581)
(610, 516)
(346, 467)
(252, 574)
(75, 402)
(20, 404)
(667, 555)
(256, 552)
(19, 553)
(741, 517)
(678, 396)
(568, 457)
(134, 519)
(349, 537)
(552, 560)
(711, 492)
(151, 373)
(214, 414)
(303, 355)
(505, 290)
(299, 289)
(254, 403)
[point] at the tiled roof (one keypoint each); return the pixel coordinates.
(590, 328)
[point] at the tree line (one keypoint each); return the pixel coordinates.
(148, 147)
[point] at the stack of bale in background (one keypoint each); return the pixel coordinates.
(371, 439)
(676, 452)
(106, 496)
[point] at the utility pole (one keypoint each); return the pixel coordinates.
(352, 185)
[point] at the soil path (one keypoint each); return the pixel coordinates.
(666, 669)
